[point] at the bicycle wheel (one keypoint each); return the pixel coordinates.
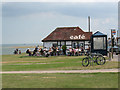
(100, 60)
(85, 62)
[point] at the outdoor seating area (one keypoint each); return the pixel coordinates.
(55, 51)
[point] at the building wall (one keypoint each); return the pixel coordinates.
(69, 44)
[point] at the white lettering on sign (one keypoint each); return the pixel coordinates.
(78, 37)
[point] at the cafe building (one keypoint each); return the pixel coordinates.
(72, 37)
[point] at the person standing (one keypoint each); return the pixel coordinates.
(19, 51)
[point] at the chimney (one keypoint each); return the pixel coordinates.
(88, 23)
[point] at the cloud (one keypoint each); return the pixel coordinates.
(39, 19)
(97, 10)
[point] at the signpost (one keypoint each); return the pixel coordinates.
(113, 32)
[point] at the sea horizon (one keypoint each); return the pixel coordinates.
(8, 49)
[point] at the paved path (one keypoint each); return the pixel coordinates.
(116, 58)
(64, 71)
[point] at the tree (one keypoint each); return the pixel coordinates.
(64, 49)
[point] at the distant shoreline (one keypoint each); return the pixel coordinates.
(8, 49)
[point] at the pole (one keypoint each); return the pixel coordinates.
(89, 23)
(111, 44)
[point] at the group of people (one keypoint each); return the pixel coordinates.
(17, 51)
(76, 51)
(55, 51)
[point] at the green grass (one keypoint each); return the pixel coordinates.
(93, 80)
(25, 63)
(69, 80)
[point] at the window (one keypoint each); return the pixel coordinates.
(77, 44)
(68, 47)
(55, 45)
(68, 42)
(81, 44)
(99, 42)
(62, 43)
(58, 42)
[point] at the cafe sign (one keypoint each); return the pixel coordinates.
(77, 37)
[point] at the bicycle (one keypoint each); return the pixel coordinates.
(94, 57)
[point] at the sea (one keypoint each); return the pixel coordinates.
(8, 49)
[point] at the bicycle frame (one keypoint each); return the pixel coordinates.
(92, 58)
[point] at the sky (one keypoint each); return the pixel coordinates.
(30, 22)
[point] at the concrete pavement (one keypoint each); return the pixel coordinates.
(62, 71)
(116, 58)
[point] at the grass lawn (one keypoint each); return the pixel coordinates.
(25, 63)
(58, 80)
(93, 80)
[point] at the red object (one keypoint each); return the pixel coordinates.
(113, 32)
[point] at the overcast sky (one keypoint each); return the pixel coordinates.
(27, 22)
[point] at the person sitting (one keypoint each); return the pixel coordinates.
(61, 51)
(15, 52)
(82, 50)
(28, 52)
(79, 51)
(35, 52)
(41, 51)
(54, 51)
(57, 50)
(70, 51)
(88, 49)
(76, 52)
(50, 51)
(46, 52)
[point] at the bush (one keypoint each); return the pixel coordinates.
(64, 47)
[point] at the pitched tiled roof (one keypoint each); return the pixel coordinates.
(68, 33)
